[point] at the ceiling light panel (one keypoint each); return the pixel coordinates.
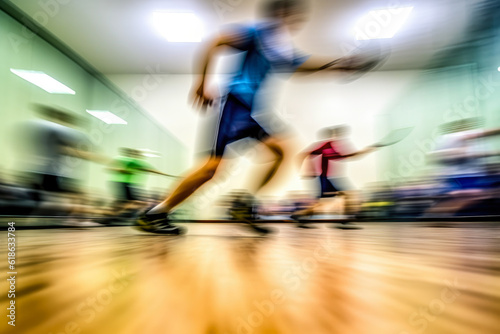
(382, 23)
(44, 81)
(178, 27)
(107, 116)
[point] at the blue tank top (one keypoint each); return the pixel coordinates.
(263, 56)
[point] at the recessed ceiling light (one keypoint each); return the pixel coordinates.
(178, 26)
(44, 81)
(107, 116)
(382, 23)
(498, 69)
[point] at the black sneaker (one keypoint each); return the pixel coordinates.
(158, 223)
(347, 224)
(301, 222)
(246, 216)
(259, 229)
(248, 221)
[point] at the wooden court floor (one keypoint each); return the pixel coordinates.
(387, 278)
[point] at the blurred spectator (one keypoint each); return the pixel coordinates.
(58, 147)
(462, 161)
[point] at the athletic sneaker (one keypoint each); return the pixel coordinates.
(243, 210)
(257, 228)
(158, 223)
(301, 222)
(304, 225)
(249, 220)
(348, 223)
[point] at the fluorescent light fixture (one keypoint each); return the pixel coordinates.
(149, 153)
(382, 23)
(178, 27)
(44, 81)
(107, 116)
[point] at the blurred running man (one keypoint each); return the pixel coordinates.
(268, 49)
(332, 179)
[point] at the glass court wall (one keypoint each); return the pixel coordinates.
(21, 49)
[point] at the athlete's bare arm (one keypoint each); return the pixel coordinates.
(86, 155)
(154, 171)
(359, 153)
(484, 133)
(319, 63)
(199, 95)
(301, 157)
(316, 63)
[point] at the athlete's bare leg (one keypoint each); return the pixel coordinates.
(188, 186)
(352, 202)
(199, 177)
(276, 147)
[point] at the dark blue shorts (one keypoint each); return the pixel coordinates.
(236, 123)
(330, 187)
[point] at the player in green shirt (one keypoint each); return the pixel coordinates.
(128, 172)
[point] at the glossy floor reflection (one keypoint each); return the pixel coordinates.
(219, 278)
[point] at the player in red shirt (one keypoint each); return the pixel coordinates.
(332, 181)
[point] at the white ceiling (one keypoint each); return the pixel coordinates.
(116, 37)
